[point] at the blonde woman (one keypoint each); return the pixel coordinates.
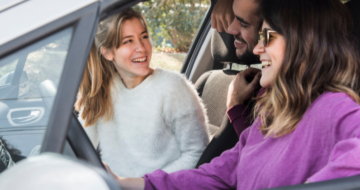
(143, 119)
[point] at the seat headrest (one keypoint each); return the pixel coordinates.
(354, 6)
(223, 49)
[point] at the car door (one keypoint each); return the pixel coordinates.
(41, 64)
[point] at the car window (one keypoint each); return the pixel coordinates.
(172, 27)
(28, 84)
(5, 71)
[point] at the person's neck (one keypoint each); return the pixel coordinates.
(131, 82)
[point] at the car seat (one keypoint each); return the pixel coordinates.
(212, 87)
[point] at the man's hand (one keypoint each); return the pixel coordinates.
(240, 90)
(222, 15)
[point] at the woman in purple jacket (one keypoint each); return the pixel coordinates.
(307, 127)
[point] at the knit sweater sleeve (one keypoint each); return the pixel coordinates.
(91, 131)
(184, 113)
(344, 160)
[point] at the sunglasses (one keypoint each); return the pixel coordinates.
(265, 36)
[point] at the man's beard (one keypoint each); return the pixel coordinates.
(249, 56)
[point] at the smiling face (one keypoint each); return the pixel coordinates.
(271, 57)
(132, 58)
(244, 27)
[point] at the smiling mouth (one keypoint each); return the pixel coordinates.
(139, 60)
(239, 42)
(265, 64)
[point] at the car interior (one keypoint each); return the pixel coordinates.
(211, 65)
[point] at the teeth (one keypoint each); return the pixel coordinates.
(239, 42)
(265, 64)
(139, 60)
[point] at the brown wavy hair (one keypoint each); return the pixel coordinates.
(320, 56)
(94, 94)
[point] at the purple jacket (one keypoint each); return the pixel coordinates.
(325, 145)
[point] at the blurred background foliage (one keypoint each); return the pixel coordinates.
(173, 23)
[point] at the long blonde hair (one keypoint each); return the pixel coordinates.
(319, 57)
(94, 93)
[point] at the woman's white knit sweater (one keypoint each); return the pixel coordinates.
(160, 124)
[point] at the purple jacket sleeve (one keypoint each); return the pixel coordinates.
(239, 117)
(220, 173)
(344, 160)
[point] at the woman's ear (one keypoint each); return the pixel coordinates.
(107, 53)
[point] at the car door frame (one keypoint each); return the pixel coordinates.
(198, 42)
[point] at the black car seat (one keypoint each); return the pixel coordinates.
(212, 86)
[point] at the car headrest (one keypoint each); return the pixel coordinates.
(223, 49)
(354, 6)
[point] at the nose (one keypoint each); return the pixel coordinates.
(234, 27)
(140, 47)
(259, 48)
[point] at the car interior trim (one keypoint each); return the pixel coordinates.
(36, 114)
(203, 60)
(195, 45)
(195, 53)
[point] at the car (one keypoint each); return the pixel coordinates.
(43, 53)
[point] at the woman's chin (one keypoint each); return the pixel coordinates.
(264, 82)
(142, 71)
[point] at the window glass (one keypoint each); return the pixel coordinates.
(46, 64)
(28, 85)
(5, 71)
(172, 27)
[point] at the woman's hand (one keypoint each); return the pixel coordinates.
(222, 15)
(127, 183)
(240, 89)
(109, 170)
